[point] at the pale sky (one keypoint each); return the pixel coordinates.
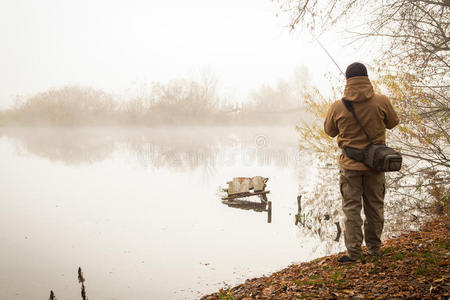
(118, 45)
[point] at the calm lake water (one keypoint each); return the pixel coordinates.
(140, 210)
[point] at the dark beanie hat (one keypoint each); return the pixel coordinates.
(355, 69)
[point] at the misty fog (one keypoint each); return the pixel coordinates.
(121, 124)
(183, 102)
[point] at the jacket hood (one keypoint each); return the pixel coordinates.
(358, 89)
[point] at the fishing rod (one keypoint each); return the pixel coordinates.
(323, 48)
(329, 55)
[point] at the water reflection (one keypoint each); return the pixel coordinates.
(249, 205)
(73, 147)
(132, 206)
(176, 149)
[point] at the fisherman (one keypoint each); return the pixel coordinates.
(360, 186)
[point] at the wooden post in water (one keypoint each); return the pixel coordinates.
(299, 209)
(269, 212)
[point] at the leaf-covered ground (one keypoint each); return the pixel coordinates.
(414, 266)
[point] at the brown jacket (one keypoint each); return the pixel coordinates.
(374, 111)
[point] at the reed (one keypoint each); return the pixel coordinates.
(81, 280)
(52, 296)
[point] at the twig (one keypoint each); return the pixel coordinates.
(338, 234)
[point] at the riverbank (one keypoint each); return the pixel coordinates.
(413, 265)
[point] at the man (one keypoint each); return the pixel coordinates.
(357, 180)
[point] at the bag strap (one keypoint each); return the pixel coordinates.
(349, 105)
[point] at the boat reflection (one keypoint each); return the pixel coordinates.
(250, 205)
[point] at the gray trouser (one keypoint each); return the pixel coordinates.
(370, 186)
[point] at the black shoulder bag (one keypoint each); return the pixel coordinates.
(378, 157)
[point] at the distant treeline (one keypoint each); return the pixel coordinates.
(179, 102)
